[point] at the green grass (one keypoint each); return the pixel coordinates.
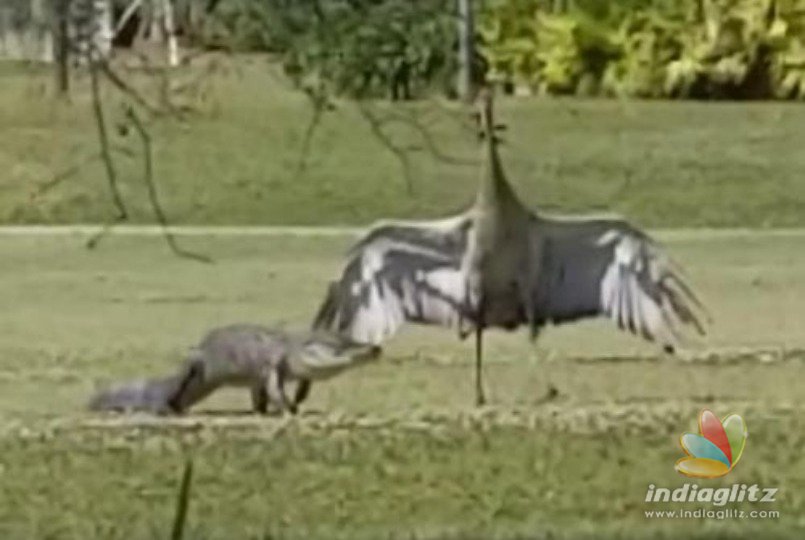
(659, 163)
(393, 450)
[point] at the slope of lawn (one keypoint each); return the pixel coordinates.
(237, 159)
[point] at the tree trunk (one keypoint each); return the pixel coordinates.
(466, 51)
(61, 45)
(103, 27)
(155, 34)
(170, 33)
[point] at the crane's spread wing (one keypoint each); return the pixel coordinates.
(606, 267)
(398, 272)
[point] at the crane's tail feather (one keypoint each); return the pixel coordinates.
(684, 301)
(679, 276)
(326, 315)
(682, 309)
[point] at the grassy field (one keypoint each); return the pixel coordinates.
(394, 450)
(235, 161)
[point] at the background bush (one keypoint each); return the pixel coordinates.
(736, 49)
(703, 49)
(361, 48)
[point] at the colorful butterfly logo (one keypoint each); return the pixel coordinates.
(717, 450)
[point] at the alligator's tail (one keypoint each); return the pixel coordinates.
(150, 395)
(166, 395)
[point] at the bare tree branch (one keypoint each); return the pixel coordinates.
(156, 205)
(106, 153)
(460, 117)
(307, 139)
(401, 153)
(99, 69)
(321, 103)
(378, 123)
(410, 120)
(121, 85)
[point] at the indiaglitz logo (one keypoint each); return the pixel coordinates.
(716, 450)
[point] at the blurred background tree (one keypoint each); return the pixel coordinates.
(408, 49)
(648, 48)
(704, 49)
(398, 49)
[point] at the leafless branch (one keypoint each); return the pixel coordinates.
(153, 196)
(106, 153)
(460, 117)
(410, 120)
(401, 153)
(307, 139)
(320, 103)
(121, 85)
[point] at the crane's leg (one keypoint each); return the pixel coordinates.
(480, 399)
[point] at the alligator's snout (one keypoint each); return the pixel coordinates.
(371, 352)
(360, 352)
(325, 354)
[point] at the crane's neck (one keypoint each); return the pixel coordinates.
(495, 189)
(494, 193)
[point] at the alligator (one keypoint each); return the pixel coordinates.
(242, 355)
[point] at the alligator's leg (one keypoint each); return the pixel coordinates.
(282, 376)
(302, 391)
(276, 394)
(193, 385)
(260, 398)
(186, 392)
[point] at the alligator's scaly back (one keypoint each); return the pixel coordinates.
(257, 357)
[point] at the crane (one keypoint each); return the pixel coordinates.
(501, 265)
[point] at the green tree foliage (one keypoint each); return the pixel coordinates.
(359, 48)
(648, 48)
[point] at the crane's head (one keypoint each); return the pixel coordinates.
(484, 116)
(321, 355)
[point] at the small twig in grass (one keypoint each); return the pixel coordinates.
(96, 238)
(182, 502)
(153, 196)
